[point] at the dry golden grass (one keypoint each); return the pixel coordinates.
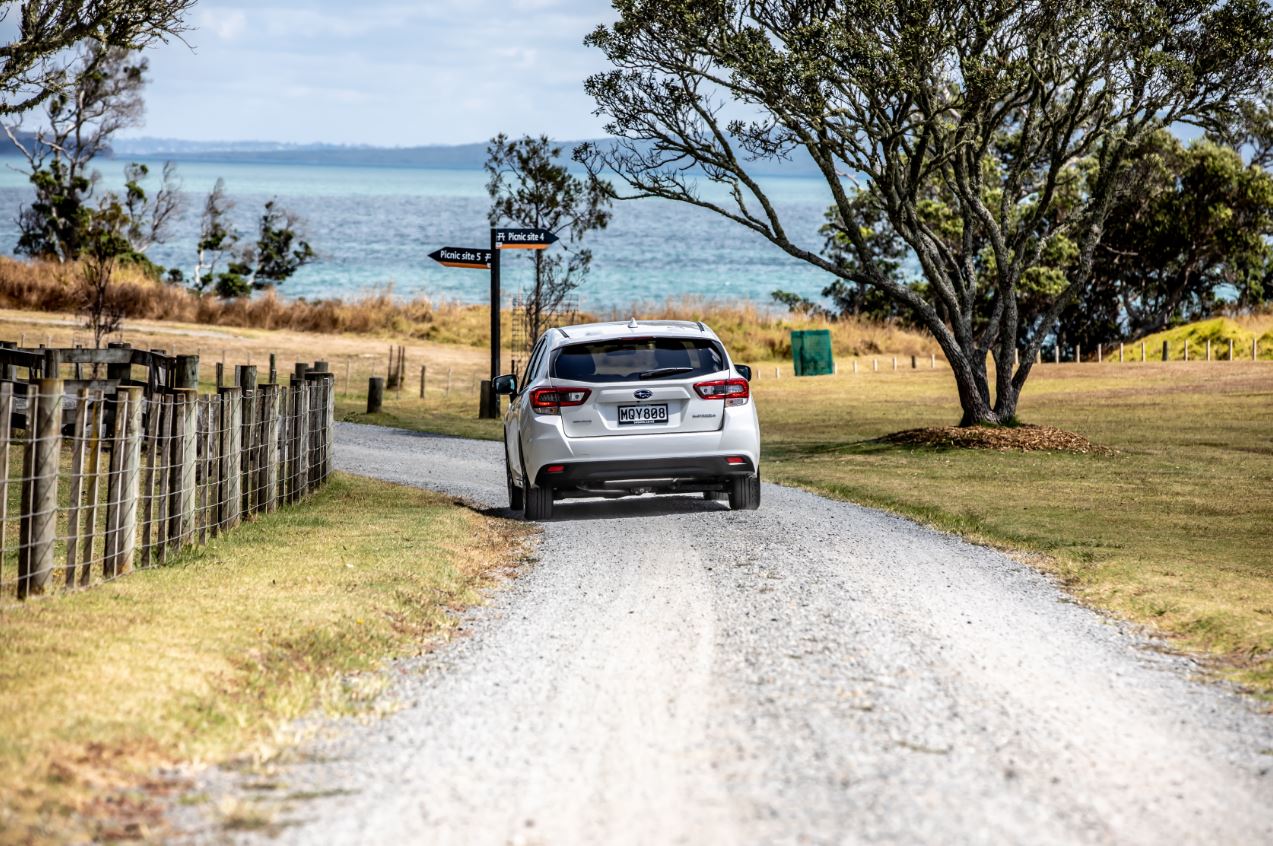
(47, 287)
(205, 659)
(755, 333)
(751, 332)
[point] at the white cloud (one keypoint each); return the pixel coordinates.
(378, 71)
(226, 25)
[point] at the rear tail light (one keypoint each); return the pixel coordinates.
(552, 400)
(735, 460)
(555, 468)
(732, 391)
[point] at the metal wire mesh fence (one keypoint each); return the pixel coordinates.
(97, 483)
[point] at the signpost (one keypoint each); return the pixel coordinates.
(475, 258)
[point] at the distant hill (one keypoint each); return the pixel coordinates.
(456, 156)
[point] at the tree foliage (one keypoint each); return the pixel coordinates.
(104, 97)
(278, 252)
(529, 187)
(32, 62)
(962, 125)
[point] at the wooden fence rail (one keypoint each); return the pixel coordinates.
(97, 484)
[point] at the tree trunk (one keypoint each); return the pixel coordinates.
(969, 371)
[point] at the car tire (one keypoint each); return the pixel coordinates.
(516, 496)
(539, 503)
(744, 493)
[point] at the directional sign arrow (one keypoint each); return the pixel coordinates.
(523, 239)
(474, 258)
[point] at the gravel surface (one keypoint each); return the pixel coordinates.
(670, 671)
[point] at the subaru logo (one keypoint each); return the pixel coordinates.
(643, 394)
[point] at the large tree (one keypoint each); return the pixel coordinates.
(530, 187)
(983, 107)
(1192, 236)
(32, 66)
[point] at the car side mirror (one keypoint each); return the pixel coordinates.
(505, 385)
(744, 371)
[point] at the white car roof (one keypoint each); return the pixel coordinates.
(623, 328)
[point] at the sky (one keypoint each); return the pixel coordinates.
(377, 72)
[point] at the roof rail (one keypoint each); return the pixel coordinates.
(563, 333)
(701, 327)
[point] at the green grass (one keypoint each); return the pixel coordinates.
(1173, 530)
(453, 414)
(205, 658)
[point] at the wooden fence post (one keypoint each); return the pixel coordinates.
(121, 508)
(154, 411)
(1166, 352)
(187, 372)
(44, 446)
(79, 441)
(1208, 349)
(269, 481)
(114, 492)
(187, 400)
(245, 378)
(375, 394)
(93, 471)
(231, 499)
(1120, 352)
(300, 439)
(423, 375)
(6, 431)
(1230, 349)
(127, 547)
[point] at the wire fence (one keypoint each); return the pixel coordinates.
(97, 483)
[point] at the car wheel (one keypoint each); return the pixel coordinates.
(744, 493)
(516, 496)
(539, 503)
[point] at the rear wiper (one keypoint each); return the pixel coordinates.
(664, 371)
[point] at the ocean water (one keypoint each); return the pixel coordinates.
(374, 227)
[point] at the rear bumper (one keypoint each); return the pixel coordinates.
(654, 472)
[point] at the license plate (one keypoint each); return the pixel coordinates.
(634, 415)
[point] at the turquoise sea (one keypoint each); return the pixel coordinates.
(375, 226)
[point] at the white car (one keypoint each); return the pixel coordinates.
(615, 409)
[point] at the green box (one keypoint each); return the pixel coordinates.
(811, 352)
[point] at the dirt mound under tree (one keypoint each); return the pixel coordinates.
(1027, 438)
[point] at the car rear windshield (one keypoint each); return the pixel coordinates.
(635, 359)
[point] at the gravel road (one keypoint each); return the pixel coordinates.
(813, 672)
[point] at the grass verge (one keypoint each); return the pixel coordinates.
(204, 659)
(1171, 530)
